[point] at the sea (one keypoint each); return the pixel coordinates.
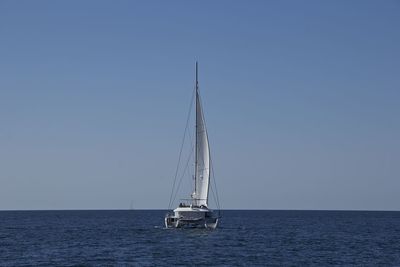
(243, 238)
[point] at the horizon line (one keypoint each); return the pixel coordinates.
(154, 209)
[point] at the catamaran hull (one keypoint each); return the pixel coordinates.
(208, 223)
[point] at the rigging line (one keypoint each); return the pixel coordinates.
(183, 174)
(190, 157)
(193, 144)
(180, 151)
(190, 179)
(215, 199)
(216, 190)
(213, 195)
(215, 183)
(192, 171)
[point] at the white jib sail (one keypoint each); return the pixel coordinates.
(202, 157)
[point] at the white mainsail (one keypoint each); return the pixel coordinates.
(202, 164)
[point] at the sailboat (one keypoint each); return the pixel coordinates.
(195, 212)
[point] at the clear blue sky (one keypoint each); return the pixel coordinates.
(302, 101)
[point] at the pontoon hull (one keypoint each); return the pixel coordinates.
(191, 217)
(209, 223)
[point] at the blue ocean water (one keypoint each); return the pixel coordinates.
(243, 238)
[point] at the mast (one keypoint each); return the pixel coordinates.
(195, 146)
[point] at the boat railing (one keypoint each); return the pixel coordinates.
(190, 202)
